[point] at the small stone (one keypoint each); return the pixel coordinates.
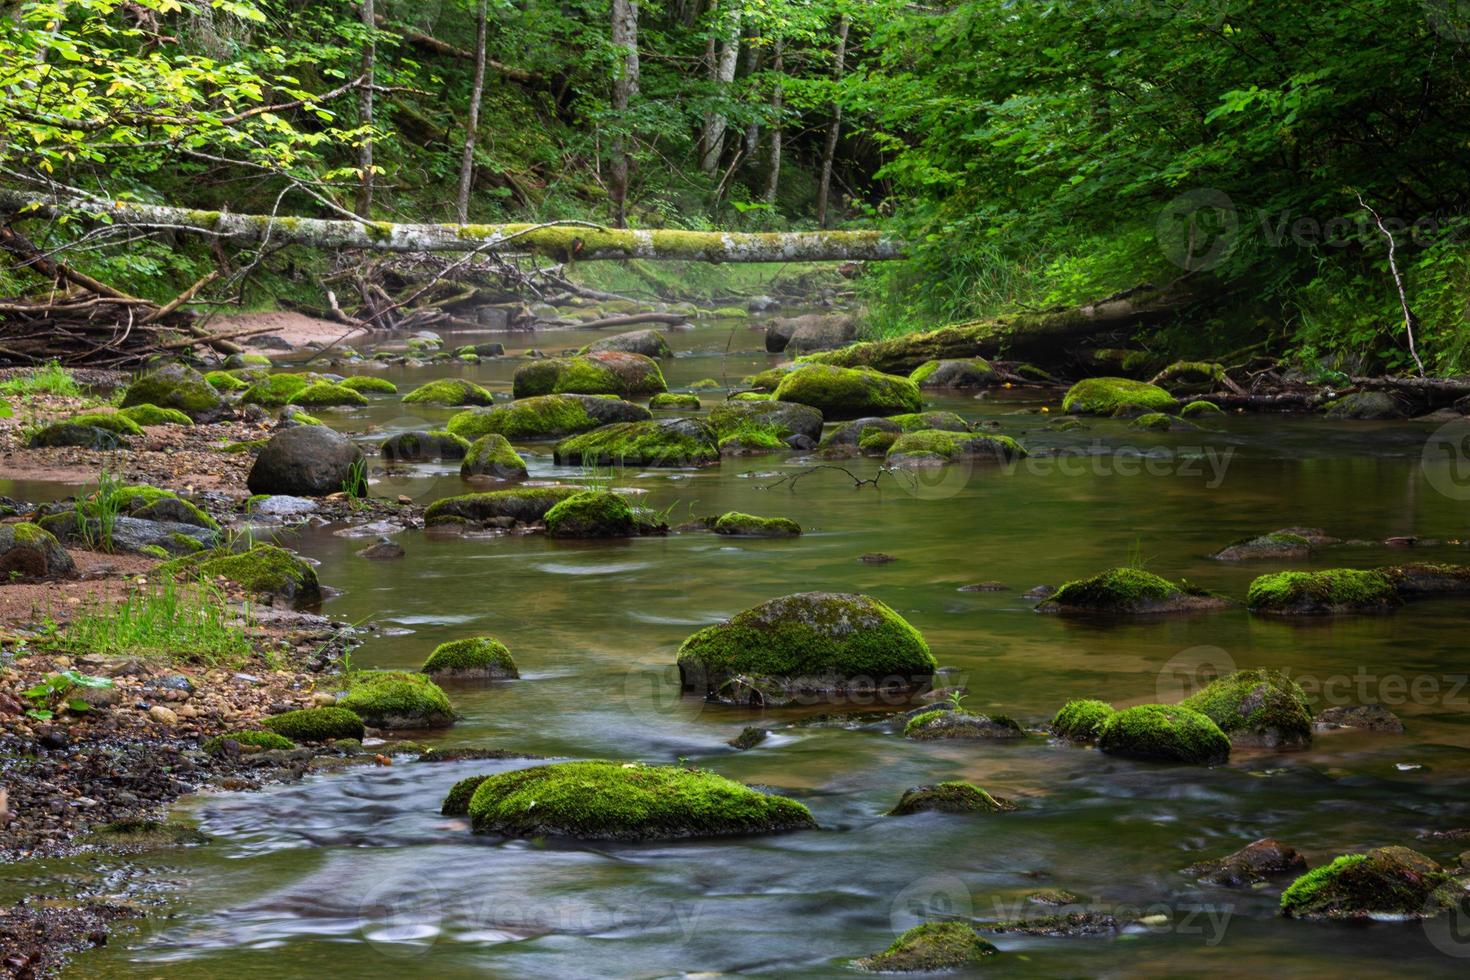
(321, 699)
(984, 587)
(876, 558)
(162, 715)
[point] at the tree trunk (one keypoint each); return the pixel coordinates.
(712, 140)
(777, 129)
(472, 125)
(365, 112)
(447, 50)
(625, 86)
(824, 186)
(560, 242)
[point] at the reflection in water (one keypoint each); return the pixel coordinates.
(357, 872)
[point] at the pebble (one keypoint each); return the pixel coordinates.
(162, 715)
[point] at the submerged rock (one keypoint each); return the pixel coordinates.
(1338, 590)
(1366, 405)
(1287, 544)
(601, 800)
(308, 461)
(29, 552)
(969, 372)
(546, 417)
(1164, 733)
(1387, 882)
(811, 644)
(950, 797)
(849, 393)
(934, 947)
(1128, 591)
(945, 723)
(750, 526)
(596, 373)
(1257, 707)
(660, 442)
(1081, 720)
(1116, 396)
(748, 738)
(383, 549)
(1258, 861)
(472, 658)
(1365, 717)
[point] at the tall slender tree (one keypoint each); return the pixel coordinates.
(625, 87)
(365, 109)
(722, 73)
(472, 124)
(778, 95)
(834, 127)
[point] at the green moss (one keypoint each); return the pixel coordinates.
(970, 372)
(599, 800)
(704, 383)
(449, 391)
(154, 551)
(1384, 882)
(768, 380)
(457, 801)
(1153, 421)
(753, 396)
(659, 442)
(183, 544)
(1164, 733)
(1113, 396)
(1196, 408)
(949, 797)
(939, 445)
(1317, 593)
(274, 391)
(595, 514)
(748, 525)
(225, 381)
(396, 699)
(526, 505)
(597, 373)
(934, 947)
(873, 442)
(259, 739)
(152, 503)
(264, 569)
(315, 724)
(919, 421)
(945, 723)
(1081, 720)
(153, 415)
(1126, 590)
(831, 637)
(324, 394)
(849, 393)
(480, 655)
(541, 417)
(301, 418)
(366, 384)
(173, 386)
(1258, 706)
(247, 446)
(493, 455)
(751, 439)
(666, 399)
(114, 422)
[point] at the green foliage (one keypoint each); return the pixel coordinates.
(49, 379)
(189, 622)
(54, 693)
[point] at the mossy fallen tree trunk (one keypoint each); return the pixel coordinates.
(1044, 337)
(560, 241)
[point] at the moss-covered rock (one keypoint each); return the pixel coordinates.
(750, 526)
(263, 570)
(493, 456)
(934, 947)
(778, 419)
(667, 399)
(114, 422)
(1257, 862)
(1154, 422)
(935, 447)
(921, 421)
(597, 373)
(366, 384)
(1367, 406)
(418, 447)
(1116, 396)
(1285, 545)
(1081, 720)
(1128, 591)
(30, 552)
(1429, 578)
(524, 505)
(175, 386)
(396, 699)
(649, 343)
(315, 724)
(449, 391)
(1200, 409)
(600, 800)
(942, 723)
(1337, 590)
(274, 391)
(594, 514)
(968, 372)
(849, 436)
(849, 393)
(751, 441)
(154, 415)
(950, 797)
(819, 644)
(70, 434)
(153, 504)
(225, 381)
(752, 396)
(764, 381)
(1257, 707)
(659, 442)
(546, 417)
(1386, 882)
(457, 800)
(1164, 733)
(252, 739)
(325, 394)
(472, 658)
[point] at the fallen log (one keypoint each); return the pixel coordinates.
(561, 241)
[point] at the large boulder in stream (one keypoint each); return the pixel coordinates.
(396, 699)
(596, 373)
(593, 514)
(264, 570)
(1164, 733)
(659, 442)
(967, 372)
(546, 417)
(29, 552)
(649, 343)
(1257, 707)
(493, 456)
(779, 419)
(524, 505)
(1116, 396)
(448, 391)
(1336, 590)
(627, 801)
(1384, 883)
(421, 446)
(933, 947)
(943, 722)
(308, 461)
(1128, 591)
(811, 644)
(471, 658)
(175, 386)
(1257, 862)
(949, 797)
(1366, 406)
(1287, 544)
(849, 393)
(935, 447)
(810, 332)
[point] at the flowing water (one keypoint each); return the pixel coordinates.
(357, 874)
